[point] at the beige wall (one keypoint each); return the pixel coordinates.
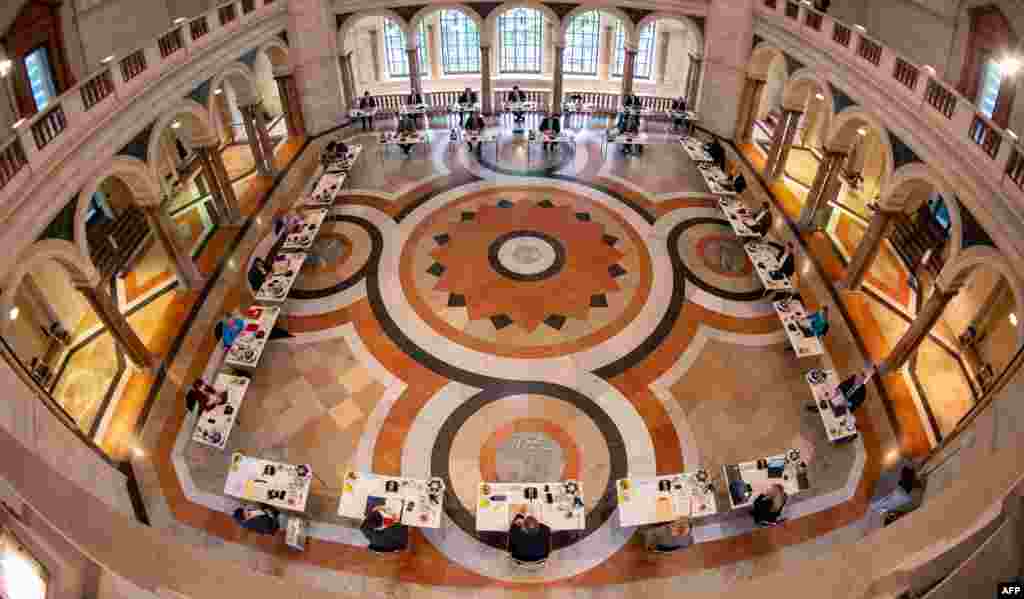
(55, 285)
(23, 333)
(266, 86)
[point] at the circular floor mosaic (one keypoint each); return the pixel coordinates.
(714, 259)
(336, 259)
(526, 271)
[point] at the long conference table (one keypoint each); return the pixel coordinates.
(557, 504)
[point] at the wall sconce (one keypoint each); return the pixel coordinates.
(1009, 66)
(5, 67)
(819, 97)
(862, 131)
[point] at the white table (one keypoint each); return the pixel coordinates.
(578, 107)
(765, 260)
(520, 106)
(214, 426)
(284, 486)
(717, 181)
(414, 139)
(284, 270)
(248, 347)
(640, 112)
(358, 113)
(694, 148)
(825, 386)
(686, 115)
(755, 474)
(413, 109)
(539, 139)
(332, 178)
(498, 503)
(460, 108)
(738, 216)
(791, 312)
(302, 235)
(421, 502)
(642, 502)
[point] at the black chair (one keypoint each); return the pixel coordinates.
(533, 561)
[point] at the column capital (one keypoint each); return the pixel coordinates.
(285, 71)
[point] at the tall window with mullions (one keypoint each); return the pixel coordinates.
(460, 43)
(645, 52)
(581, 44)
(521, 31)
(395, 57)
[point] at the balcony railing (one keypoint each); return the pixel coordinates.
(36, 139)
(996, 149)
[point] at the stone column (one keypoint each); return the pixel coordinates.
(255, 142)
(693, 80)
(750, 98)
(867, 251)
(221, 105)
(378, 70)
(313, 42)
(123, 335)
(549, 48)
(263, 134)
(415, 83)
(556, 90)
(160, 223)
(781, 144)
(220, 186)
(348, 82)
(606, 47)
(729, 36)
(825, 189)
(855, 161)
(40, 303)
(665, 38)
(434, 51)
(628, 66)
(292, 105)
(486, 93)
(919, 329)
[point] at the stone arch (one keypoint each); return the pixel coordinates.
(243, 83)
(761, 60)
(76, 265)
(196, 129)
(956, 272)
(430, 9)
(630, 35)
(491, 22)
(134, 173)
(843, 132)
(800, 93)
(683, 20)
(279, 55)
(346, 28)
(907, 183)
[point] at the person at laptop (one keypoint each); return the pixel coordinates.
(415, 99)
(678, 107)
(529, 540)
(384, 531)
(762, 221)
(850, 393)
(474, 124)
(668, 537)
(517, 96)
(716, 150)
(367, 103)
(768, 506)
(815, 324)
(467, 97)
(259, 518)
(406, 126)
(786, 261)
(550, 126)
(631, 101)
(629, 124)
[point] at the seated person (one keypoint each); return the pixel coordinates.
(475, 124)
(850, 393)
(228, 329)
(768, 506)
(384, 532)
(204, 397)
(762, 222)
(258, 273)
(671, 536)
(40, 371)
(629, 125)
(367, 103)
(786, 261)
(406, 125)
(631, 101)
(717, 152)
(529, 540)
(550, 126)
(261, 518)
(415, 99)
(467, 97)
(514, 96)
(815, 324)
(678, 105)
(575, 99)
(739, 184)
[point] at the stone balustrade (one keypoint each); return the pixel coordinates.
(55, 131)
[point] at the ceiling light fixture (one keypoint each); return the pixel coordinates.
(107, 59)
(1013, 319)
(13, 314)
(1009, 66)
(176, 125)
(5, 67)
(862, 131)
(179, 20)
(860, 28)
(218, 91)
(819, 97)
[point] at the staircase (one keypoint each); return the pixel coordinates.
(916, 237)
(113, 244)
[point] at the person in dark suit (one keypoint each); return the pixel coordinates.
(258, 273)
(631, 101)
(851, 393)
(406, 124)
(367, 103)
(629, 124)
(551, 125)
(262, 519)
(716, 150)
(786, 260)
(415, 99)
(763, 220)
(768, 506)
(386, 535)
(517, 95)
(678, 105)
(474, 123)
(468, 96)
(529, 540)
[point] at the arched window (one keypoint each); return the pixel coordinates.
(581, 43)
(645, 54)
(394, 49)
(989, 82)
(460, 43)
(521, 31)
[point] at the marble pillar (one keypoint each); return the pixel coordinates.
(163, 229)
(750, 99)
(549, 48)
(289, 102)
(415, 80)
(604, 61)
(434, 51)
(825, 189)
(729, 36)
(251, 119)
(781, 144)
(867, 250)
(628, 67)
(224, 200)
(665, 38)
(263, 134)
(378, 67)
(348, 81)
(486, 93)
(919, 329)
(313, 42)
(106, 310)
